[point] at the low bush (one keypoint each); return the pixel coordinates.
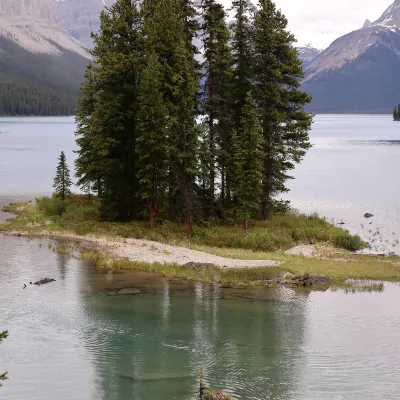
(349, 242)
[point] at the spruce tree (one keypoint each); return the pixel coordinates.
(277, 74)
(394, 114)
(152, 144)
(242, 50)
(112, 126)
(217, 88)
(91, 149)
(167, 35)
(3, 335)
(248, 162)
(62, 181)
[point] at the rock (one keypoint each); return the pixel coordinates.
(198, 265)
(44, 281)
(218, 395)
(307, 280)
(129, 291)
(368, 215)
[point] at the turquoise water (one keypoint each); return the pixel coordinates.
(71, 339)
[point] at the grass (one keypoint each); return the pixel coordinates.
(80, 216)
(265, 240)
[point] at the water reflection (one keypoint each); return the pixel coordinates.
(255, 343)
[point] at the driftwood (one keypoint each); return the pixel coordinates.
(44, 281)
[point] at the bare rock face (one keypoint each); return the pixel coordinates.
(80, 17)
(32, 24)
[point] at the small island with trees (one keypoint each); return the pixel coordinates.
(189, 147)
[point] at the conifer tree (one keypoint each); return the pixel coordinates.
(91, 149)
(395, 114)
(167, 36)
(3, 335)
(277, 73)
(62, 181)
(117, 56)
(242, 50)
(217, 88)
(398, 113)
(248, 162)
(152, 145)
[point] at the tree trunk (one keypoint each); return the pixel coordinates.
(245, 224)
(153, 213)
(235, 217)
(188, 210)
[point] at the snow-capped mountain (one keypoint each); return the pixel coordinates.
(308, 53)
(359, 71)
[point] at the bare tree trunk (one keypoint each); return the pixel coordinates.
(245, 224)
(153, 213)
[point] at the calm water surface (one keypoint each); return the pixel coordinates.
(71, 340)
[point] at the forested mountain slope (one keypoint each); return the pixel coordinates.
(41, 65)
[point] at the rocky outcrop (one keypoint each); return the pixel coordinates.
(300, 280)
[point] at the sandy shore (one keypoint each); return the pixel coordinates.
(151, 252)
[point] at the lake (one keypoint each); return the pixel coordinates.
(72, 339)
(352, 169)
(75, 339)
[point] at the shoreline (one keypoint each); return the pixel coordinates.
(167, 252)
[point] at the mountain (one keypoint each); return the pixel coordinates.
(41, 65)
(80, 17)
(307, 54)
(360, 71)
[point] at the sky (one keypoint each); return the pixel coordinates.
(320, 22)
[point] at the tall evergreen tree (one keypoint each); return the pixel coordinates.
(277, 74)
(62, 181)
(91, 149)
(3, 335)
(248, 162)
(395, 114)
(152, 145)
(117, 56)
(167, 36)
(242, 50)
(217, 88)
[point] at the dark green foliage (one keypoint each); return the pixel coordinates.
(38, 84)
(3, 335)
(277, 74)
(152, 144)
(148, 136)
(348, 242)
(108, 117)
(62, 181)
(217, 91)
(248, 162)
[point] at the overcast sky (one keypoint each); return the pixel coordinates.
(320, 22)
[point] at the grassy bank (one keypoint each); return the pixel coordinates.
(80, 216)
(264, 241)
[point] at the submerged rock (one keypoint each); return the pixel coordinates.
(199, 265)
(307, 280)
(368, 215)
(44, 281)
(129, 291)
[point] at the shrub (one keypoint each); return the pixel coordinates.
(51, 206)
(348, 242)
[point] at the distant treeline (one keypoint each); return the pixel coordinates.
(39, 84)
(396, 113)
(19, 98)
